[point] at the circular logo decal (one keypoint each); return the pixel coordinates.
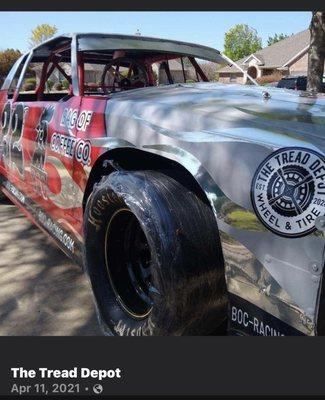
(288, 191)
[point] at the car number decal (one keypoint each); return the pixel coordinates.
(12, 128)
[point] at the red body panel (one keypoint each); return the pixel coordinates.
(47, 157)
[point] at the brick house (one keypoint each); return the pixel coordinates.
(287, 57)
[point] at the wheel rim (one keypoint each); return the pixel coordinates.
(128, 259)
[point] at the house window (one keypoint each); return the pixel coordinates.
(233, 78)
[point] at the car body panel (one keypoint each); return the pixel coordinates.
(221, 134)
(227, 131)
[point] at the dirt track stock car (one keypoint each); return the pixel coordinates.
(189, 203)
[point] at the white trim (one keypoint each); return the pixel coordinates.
(300, 53)
(245, 74)
(252, 55)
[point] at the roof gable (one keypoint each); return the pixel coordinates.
(253, 56)
(279, 54)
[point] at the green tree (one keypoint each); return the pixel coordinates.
(42, 33)
(241, 41)
(276, 38)
(7, 59)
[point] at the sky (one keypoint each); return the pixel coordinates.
(206, 28)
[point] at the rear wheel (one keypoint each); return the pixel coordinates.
(153, 256)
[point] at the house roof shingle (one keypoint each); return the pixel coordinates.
(278, 54)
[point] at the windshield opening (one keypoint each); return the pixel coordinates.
(107, 72)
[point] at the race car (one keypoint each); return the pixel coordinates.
(190, 204)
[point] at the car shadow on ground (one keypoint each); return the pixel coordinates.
(42, 291)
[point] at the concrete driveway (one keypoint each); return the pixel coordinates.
(41, 291)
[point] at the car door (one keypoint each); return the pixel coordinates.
(43, 171)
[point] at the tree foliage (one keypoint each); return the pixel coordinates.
(7, 59)
(241, 41)
(276, 38)
(42, 33)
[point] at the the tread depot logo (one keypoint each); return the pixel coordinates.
(288, 191)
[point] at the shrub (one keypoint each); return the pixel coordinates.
(49, 84)
(29, 84)
(31, 81)
(28, 87)
(65, 84)
(57, 86)
(7, 60)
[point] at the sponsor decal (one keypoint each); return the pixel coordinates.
(56, 231)
(13, 190)
(52, 227)
(72, 119)
(71, 147)
(288, 191)
(145, 330)
(244, 318)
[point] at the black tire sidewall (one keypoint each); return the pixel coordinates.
(175, 264)
(110, 311)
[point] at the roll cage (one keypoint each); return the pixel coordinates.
(75, 48)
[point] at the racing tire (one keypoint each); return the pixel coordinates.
(153, 257)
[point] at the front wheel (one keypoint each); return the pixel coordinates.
(153, 256)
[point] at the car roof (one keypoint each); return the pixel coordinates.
(90, 41)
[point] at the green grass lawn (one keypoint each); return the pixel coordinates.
(244, 220)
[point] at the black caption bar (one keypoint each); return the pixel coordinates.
(166, 366)
(166, 5)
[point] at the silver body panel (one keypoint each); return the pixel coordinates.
(221, 134)
(106, 42)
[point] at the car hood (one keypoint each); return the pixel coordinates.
(211, 112)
